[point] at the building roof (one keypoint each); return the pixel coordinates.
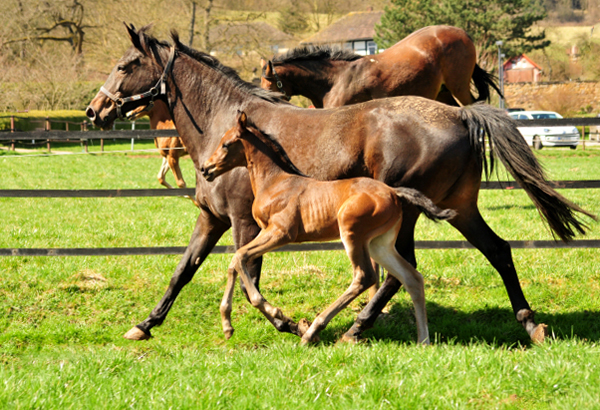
(510, 63)
(353, 26)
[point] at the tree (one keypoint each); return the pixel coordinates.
(486, 21)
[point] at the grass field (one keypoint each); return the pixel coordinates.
(62, 318)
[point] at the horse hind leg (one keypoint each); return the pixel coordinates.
(364, 277)
(384, 252)
(162, 172)
(176, 170)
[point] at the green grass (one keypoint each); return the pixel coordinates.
(62, 318)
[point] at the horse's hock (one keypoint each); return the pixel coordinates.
(567, 98)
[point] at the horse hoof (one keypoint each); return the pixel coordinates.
(228, 334)
(135, 333)
(306, 342)
(353, 340)
(540, 334)
(303, 326)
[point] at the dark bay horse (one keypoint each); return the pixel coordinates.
(417, 65)
(291, 208)
(403, 141)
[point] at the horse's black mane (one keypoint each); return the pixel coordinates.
(281, 157)
(228, 72)
(323, 52)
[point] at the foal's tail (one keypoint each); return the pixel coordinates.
(425, 205)
(507, 144)
(483, 81)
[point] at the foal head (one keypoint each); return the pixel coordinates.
(230, 152)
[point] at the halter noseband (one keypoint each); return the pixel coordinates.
(277, 81)
(159, 88)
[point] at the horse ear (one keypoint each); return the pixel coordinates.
(262, 63)
(134, 36)
(242, 120)
(269, 69)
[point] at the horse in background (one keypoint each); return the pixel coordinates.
(435, 62)
(171, 148)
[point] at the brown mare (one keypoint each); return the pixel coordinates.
(403, 141)
(171, 148)
(290, 208)
(417, 65)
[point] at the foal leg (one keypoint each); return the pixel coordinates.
(207, 232)
(405, 245)
(383, 251)
(364, 276)
(268, 239)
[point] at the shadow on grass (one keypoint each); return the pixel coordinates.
(509, 207)
(495, 326)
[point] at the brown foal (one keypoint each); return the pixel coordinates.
(291, 207)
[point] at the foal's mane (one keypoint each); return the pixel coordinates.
(276, 151)
(227, 72)
(312, 53)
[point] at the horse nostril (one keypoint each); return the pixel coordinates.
(90, 113)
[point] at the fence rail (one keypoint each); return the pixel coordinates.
(304, 247)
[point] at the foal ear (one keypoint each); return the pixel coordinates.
(133, 36)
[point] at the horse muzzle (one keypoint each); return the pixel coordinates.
(208, 171)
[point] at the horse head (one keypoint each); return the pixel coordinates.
(269, 80)
(138, 78)
(230, 152)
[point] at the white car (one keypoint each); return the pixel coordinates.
(548, 136)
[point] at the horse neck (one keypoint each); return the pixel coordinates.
(203, 103)
(263, 170)
(313, 79)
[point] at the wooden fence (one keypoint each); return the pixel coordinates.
(150, 134)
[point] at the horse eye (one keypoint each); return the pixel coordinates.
(121, 68)
(226, 146)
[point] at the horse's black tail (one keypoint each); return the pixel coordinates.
(507, 144)
(425, 205)
(483, 81)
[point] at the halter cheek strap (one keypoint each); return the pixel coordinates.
(160, 88)
(277, 82)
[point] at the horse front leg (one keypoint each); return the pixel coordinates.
(267, 240)
(207, 232)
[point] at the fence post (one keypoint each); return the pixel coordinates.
(12, 129)
(48, 129)
(132, 128)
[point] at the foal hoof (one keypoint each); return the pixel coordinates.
(228, 334)
(540, 334)
(135, 333)
(306, 342)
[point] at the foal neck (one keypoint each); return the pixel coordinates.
(266, 160)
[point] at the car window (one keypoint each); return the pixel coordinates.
(544, 116)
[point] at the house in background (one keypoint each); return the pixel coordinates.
(245, 38)
(355, 32)
(521, 69)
